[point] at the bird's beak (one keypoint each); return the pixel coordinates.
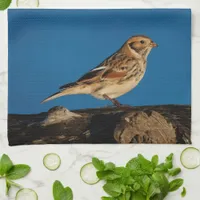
(153, 44)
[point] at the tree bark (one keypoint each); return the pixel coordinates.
(163, 124)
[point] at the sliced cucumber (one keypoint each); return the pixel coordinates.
(52, 161)
(28, 3)
(88, 174)
(26, 194)
(190, 158)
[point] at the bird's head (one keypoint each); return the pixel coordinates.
(140, 44)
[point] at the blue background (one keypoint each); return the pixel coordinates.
(48, 48)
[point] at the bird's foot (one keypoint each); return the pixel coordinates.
(117, 103)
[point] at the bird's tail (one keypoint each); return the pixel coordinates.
(69, 89)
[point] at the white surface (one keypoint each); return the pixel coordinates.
(75, 156)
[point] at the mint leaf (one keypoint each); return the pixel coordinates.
(161, 168)
(146, 183)
(129, 180)
(122, 171)
(168, 161)
(183, 193)
(18, 171)
(5, 164)
(108, 198)
(4, 4)
(154, 161)
(109, 166)
(136, 186)
(69, 193)
(114, 189)
(61, 193)
(137, 196)
(161, 179)
(98, 164)
(125, 196)
(153, 190)
(157, 197)
(146, 164)
(174, 172)
(107, 175)
(58, 189)
(164, 167)
(175, 184)
(140, 166)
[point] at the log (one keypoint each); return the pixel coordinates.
(159, 124)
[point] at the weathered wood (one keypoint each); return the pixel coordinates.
(146, 124)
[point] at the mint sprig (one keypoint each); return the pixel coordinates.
(140, 179)
(10, 172)
(61, 193)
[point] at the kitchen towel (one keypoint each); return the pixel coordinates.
(99, 76)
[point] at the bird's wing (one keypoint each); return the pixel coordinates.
(92, 75)
(120, 69)
(116, 66)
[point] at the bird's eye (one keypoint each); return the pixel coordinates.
(142, 41)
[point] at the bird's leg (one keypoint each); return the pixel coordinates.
(114, 101)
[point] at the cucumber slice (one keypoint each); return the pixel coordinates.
(26, 194)
(190, 158)
(27, 3)
(88, 174)
(52, 161)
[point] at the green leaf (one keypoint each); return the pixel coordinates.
(154, 161)
(4, 4)
(69, 193)
(153, 190)
(58, 189)
(18, 171)
(114, 189)
(108, 198)
(174, 172)
(125, 196)
(140, 166)
(129, 180)
(137, 196)
(175, 184)
(183, 193)
(61, 193)
(98, 164)
(158, 197)
(169, 160)
(5, 164)
(109, 166)
(107, 175)
(161, 179)
(146, 183)
(122, 171)
(161, 168)
(136, 186)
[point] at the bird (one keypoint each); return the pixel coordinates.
(116, 75)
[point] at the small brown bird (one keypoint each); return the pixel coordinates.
(116, 75)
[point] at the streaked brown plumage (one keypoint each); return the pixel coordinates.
(116, 75)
